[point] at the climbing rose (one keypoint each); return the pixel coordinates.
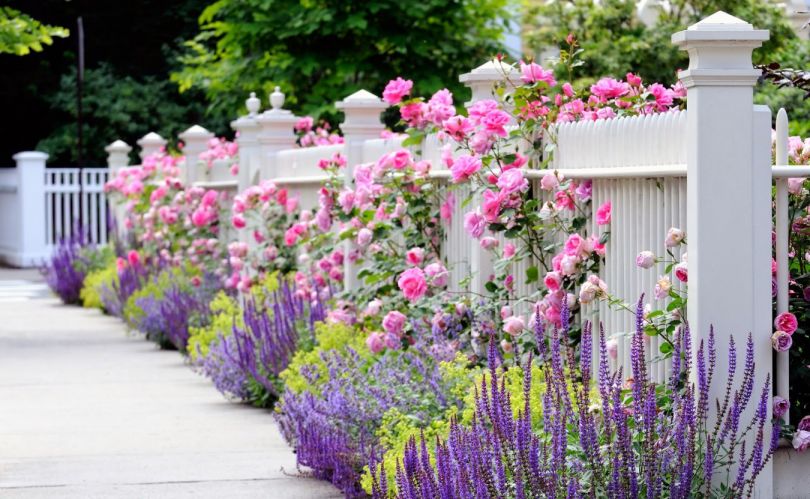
(609, 88)
(396, 90)
(464, 167)
(645, 259)
(511, 182)
(514, 325)
(412, 283)
(134, 258)
(373, 307)
(662, 287)
(781, 341)
(674, 237)
(549, 182)
(489, 243)
(375, 342)
(681, 273)
(801, 440)
(603, 214)
(238, 221)
(438, 274)
(394, 322)
(532, 73)
(780, 406)
(552, 281)
(414, 256)
(509, 250)
(364, 237)
(474, 224)
(612, 348)
(786, 322)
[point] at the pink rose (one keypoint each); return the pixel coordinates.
(603, 214)
(786, 322)
(549, 182)
(507, 346)
(458, 127)
(592, 288)
(532, 73)
(364, 237)
(474, 224)
(412, 283)
(781, 406)
(375, 342)
(514, 325)
(781, 341)
(396, 90)
(801, 440)
(674, 237)
(681, 272)
(509, 250)
(238, 221)
(464, 167)
(489, 242)
(374, 307)
(495, 121)
(645, 259)
(133, 258)
(394, 322)
(552, 280)
(414, 256)
(609, 88)
(438, 274)
(511, 182)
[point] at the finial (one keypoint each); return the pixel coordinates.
(277, 99)
(253, 104)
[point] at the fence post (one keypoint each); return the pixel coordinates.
(117, 155)
(361, 122)
(150, 144)
(728, 199)
(32, 249)
(247, 136)
(195, 141)
(481, 81)
(117, 158)
(276, 133)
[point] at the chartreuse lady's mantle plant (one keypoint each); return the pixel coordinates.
(640, 440)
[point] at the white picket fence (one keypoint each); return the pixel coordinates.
(71, 205)
(705, 170)
(39, 206)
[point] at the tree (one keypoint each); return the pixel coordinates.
(21, 33)
(320, 51)
(121, 107)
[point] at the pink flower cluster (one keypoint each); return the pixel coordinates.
(311, 136)
(221, 149)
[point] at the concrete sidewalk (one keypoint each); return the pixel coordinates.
(89, 411)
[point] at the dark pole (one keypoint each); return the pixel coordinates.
(79, 85)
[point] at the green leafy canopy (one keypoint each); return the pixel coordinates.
(21, 33)
(321, 51)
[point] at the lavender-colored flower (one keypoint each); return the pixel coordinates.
(66, 270)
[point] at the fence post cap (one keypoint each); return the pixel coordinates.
(720, 27)
(253, 104)
(30, 156)
(362, 98)
(118, 146)
(151, 138)
(195, 131)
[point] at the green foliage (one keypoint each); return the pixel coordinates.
(615, 41)
(21, 33)
(338, 337)
(225, 313)
(320, 52)
(119, 107)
